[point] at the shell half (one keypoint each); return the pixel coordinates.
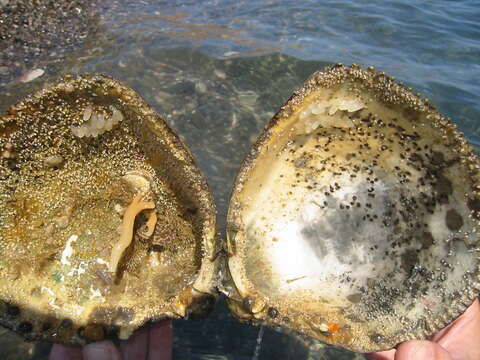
(355, 217)
(106, 222)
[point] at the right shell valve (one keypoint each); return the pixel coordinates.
(354, 218)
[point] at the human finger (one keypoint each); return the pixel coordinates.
(382, 355)
(64, 352)
(103, 350)
(461, 337)
(160, 341)
(421, 350)
(136, 346)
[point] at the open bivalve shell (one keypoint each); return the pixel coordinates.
(105, 221)
(354, 219)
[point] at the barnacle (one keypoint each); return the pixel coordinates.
(137, 205)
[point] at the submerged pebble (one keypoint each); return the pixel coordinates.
(32, 75)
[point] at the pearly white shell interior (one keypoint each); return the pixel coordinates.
(354, 218)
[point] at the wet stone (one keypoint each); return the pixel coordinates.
(183, 88)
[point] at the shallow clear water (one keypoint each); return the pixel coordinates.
(218, 71)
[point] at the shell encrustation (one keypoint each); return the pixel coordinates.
(355, 217)
(106, 222)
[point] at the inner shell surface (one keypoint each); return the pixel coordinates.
(72, 163)
(354, 224)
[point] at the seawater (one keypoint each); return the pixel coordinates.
(218, 71)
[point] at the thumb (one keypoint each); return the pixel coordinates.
(421, 350)
(103, 350)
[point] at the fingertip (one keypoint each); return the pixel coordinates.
(136, 346)
(161, 340)
(421, 350)
(382, 355)
(101, 350)
(63, 352)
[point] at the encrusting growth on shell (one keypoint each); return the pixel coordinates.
(97, 123)
(136, 207)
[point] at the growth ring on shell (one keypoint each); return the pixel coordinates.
(354, 218)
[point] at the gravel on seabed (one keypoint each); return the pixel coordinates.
(32, 30)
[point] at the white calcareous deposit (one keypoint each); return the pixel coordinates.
(97, 123)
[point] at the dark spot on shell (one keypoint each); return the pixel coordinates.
(411, 114)
(272, 312)
(474, 204)
(46, 326)
(157, 248)
(453, 220)
(438, 158)
(443, 186)
(427, 239)
(66, 324)
(192, 211)
(354, 298)
(12, 311)
(378, 339)
(92, 332)
(25, 327)
(415, 158)
(409, 260)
